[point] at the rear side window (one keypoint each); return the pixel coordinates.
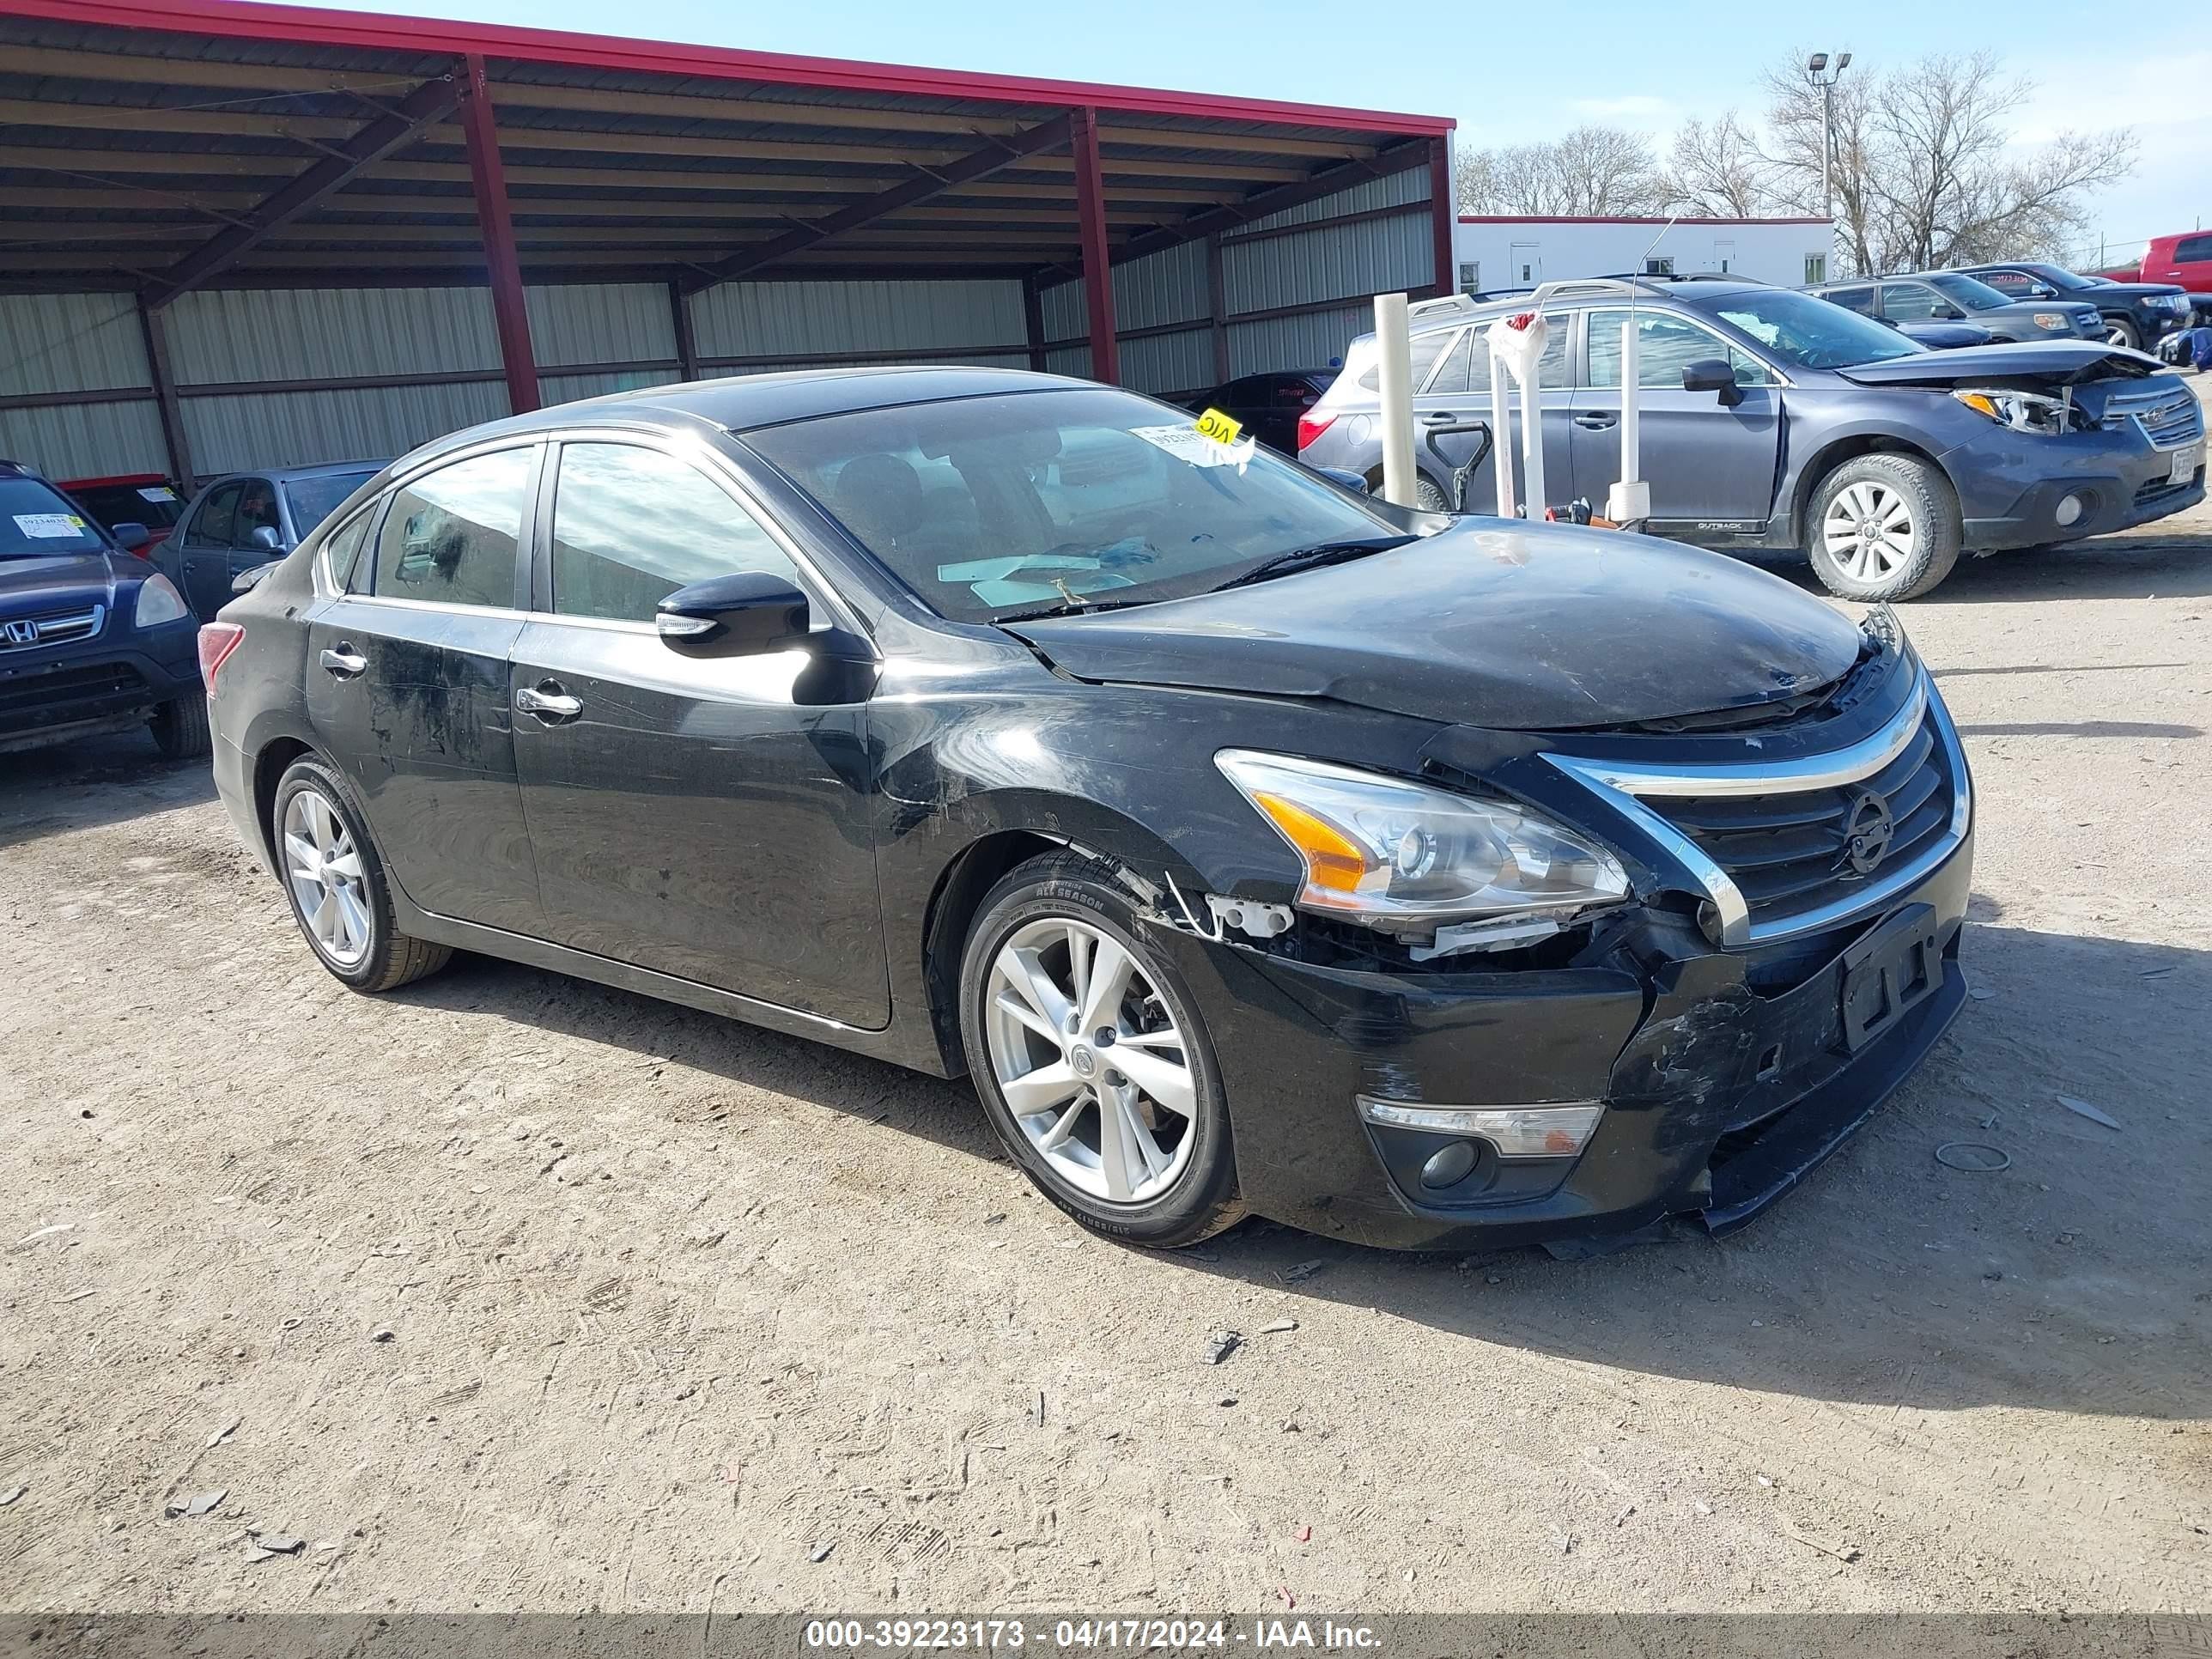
(1465, 368)
(1425, 349)
(343, 548)
(1859, 298)
(2193, 247)
(631, 526)
(451, 535)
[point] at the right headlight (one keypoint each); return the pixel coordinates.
(2023, 411)
(1392, 853)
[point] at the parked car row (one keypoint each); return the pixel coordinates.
(1773, 420)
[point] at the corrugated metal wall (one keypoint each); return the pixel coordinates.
(1266, 266)
(247, 362)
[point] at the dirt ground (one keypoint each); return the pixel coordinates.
(676, 1305)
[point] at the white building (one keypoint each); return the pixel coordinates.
(1497, 253)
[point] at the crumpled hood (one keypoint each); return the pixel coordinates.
(32, 586)
(1490, 622)
(2050, 362)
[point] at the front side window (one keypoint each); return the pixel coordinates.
(36, 520)
(257, 510)
(2016, 283)
(451, 536)
(1665, 344)
(1967, 293)
(343, 550)
(631, 526)
(987, 507)
(1803, 332)
(211, 525)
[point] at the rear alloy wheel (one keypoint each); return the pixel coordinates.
(336, 883)
(2119, 331)
(1883, 528)
(1087, 1054)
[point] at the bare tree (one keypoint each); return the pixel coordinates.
(1717, 171)
(1592, 170)
(1925, 173)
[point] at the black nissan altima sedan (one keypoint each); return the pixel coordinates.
(1253, 845)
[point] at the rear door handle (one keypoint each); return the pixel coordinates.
(548, 702)
(1596, 420)
(1442, 417)
(344, 661)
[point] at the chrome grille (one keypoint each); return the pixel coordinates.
(51, 628)
(1788, 852)
(2170, 416)
(2090, 319)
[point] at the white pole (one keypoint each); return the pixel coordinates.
(1629, 501)
(1532, 439)
(1394, 352)
(1501, 430)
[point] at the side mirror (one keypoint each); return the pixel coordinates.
(267, 539)
(742, 616)
(132, 536)
(247, 580)
(2041, 291)
(1354, 482)
(1950, 314)
(1713, 375)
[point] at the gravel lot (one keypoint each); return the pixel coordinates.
(675, 1305)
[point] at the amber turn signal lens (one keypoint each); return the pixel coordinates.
(1333, 859)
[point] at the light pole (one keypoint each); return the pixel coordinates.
(1814, 66)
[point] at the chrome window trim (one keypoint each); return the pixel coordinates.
(1625, 789)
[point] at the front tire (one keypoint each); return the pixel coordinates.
(336, 885)
(2119, 331)
(1091, 1060)
(180, 728)
(1883, 528)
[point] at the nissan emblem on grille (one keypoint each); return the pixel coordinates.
(1866, 833)
(22, 633)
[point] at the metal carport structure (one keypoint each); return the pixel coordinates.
(231, 233)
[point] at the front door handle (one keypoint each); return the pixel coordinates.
(1597, 419)
(344, 661)
(548, 702)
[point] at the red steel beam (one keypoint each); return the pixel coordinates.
(430, 102)
(996, 156)
(1097, 268)
(510, 315)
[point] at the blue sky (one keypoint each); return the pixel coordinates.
(1644, 65)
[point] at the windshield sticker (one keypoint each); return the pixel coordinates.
(1222, 429)
(157, 493)
(51, 526)
(1187, 443)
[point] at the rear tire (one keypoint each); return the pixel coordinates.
(2119, 331)
(1056, 934)
(1883, 528)
(324, 855)
(1429, 496)
(180, 728)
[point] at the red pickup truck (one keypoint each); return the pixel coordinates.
(2185, 259)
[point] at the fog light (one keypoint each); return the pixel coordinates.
(2070, 511)
(1551, 1131)
(1451, 1166)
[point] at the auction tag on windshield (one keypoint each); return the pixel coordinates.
(1219, 427)
(51, 526)
(1187, 443)
(157, 493)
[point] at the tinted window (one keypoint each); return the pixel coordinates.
(211, 527)
(999, 505)
(153, 505)
(344, 548)
(2193, 247)
(631, 526)
(1860, 299)
(257, 510)
(313, 499)
(2016, 283)
(1968, 293)
(1664, 346)
(451, 535)
(37, 518)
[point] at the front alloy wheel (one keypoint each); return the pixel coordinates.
(1869, 533)
(1087, 1051)
(1883, 528)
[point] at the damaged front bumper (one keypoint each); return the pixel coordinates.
(1725, 1075)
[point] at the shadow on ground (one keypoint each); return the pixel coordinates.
(2074, 1281)
(81, 785)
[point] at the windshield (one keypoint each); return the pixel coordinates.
(37, 521)
(153, 505)
(1803, 332)
(1966, 291)
(313, 500)
(991, 506)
